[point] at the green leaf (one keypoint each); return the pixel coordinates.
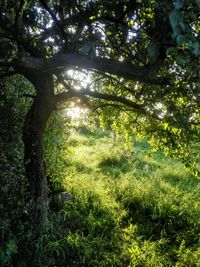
(170, 50)
(11, 247)
(198, 2)
(153, 50)
(87, 47)
(175, 17)
(196, 47)
(177, 31)
(181, 39)
(178, 4)
(181, 59)
(176, 21)
(165, 125)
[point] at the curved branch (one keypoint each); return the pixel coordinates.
(119, 99)
(59, 63)
(64, 96)
(124, 69)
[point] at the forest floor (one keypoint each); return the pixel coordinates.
(128, 208)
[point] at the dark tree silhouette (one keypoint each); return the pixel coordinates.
(148, 51)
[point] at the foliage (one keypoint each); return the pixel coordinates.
(136, 211)
(143, 58)
(14, 205)
(136, 65)
(177, 141)
(56, 134)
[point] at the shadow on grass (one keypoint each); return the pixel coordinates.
(187, 183)
(172, 225)
(114, 166)
(82, 168)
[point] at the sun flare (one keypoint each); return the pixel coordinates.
(76, 112)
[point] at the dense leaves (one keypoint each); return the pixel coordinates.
(14, 197)
(151, 50)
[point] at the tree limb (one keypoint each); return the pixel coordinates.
(124, 69)
(119, 99)
(83, 93)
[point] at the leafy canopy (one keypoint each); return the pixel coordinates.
(143, 59)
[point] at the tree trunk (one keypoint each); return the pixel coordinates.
(34, 126)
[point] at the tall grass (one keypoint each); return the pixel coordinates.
(127, 209)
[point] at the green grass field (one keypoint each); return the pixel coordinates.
(127, 208)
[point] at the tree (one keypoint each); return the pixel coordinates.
(143, 58)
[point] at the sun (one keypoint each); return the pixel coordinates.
(76, 112)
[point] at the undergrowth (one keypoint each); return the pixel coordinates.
(128, 208)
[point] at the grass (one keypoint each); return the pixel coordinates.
(127, 209)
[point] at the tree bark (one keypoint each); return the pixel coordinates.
(34, 126)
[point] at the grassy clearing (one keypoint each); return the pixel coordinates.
(127, 209)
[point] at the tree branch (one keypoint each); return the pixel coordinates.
(126, 102)
(59, 63)
(64, 96)
(124, 69)
(115, 105)
(83, 93)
